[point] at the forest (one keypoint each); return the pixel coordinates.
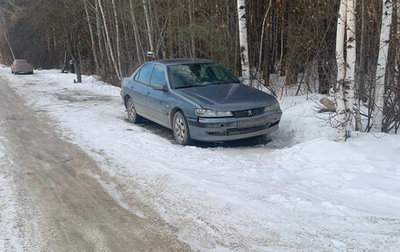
(297, 39)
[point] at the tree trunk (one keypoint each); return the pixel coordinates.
(75, 60)
(117, 38)
(350, 64)
(94, 51)
(244, 47)
(260, 53)
(109, 41)
(341, 73)
(387, 10)
(360, 74)
(149, 28)
(99, 32)
(139, 49)
(5, 35)
(192, 42)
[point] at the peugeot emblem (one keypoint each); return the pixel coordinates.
(250, 113)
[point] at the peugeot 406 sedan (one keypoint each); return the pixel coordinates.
(199, 100)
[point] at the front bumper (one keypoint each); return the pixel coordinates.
(232, 128)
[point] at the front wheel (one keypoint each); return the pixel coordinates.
(133, 117)
(181, 129)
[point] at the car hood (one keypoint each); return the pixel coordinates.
(227, 97)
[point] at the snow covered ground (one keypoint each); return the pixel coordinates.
(10, 234)
(302, 191)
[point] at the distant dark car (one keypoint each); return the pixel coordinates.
(21, 66)
(200, 100)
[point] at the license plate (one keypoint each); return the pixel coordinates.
(252, 123)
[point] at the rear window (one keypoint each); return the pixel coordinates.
(22, 61)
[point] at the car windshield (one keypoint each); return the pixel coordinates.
(199, 74)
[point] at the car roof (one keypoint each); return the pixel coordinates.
(182, 61)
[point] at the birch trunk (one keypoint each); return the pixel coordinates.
(109, 41)
(94, 51)
(244, 47)
(387, 10)
(350, 63)
(118, 39)
(148, 24)
(341, 73)
(99, 32)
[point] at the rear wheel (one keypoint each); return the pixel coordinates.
(133, 117)
(181, 129)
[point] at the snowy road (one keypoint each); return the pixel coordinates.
(64, 208)
(300, 192)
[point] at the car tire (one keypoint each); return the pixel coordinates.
(133, 117)
(181, 129)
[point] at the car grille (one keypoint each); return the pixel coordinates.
(248, 112)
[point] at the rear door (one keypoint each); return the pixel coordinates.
(140, 90)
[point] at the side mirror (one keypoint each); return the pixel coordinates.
(160, 87)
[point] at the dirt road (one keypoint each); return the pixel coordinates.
(63, 208)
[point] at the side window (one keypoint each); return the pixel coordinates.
(144, 74)
(158, 76)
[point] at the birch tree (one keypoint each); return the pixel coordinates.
(109, 40)
(244, 47)
(148, 24)
(99, 31)
(341, 73)
(349, 84)
(387, 10)
(94, 50)
(117, 39)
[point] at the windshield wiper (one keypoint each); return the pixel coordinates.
(220, 82)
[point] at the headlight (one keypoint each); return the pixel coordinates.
(274, 106)
(212, 113)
